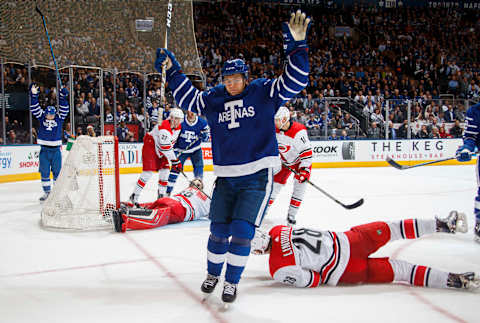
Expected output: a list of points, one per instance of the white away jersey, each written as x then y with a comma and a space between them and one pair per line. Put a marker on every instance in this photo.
165, 137
307, 258
294, 146
195, 202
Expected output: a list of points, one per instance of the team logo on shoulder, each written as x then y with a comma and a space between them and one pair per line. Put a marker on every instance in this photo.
283, 148
235, 110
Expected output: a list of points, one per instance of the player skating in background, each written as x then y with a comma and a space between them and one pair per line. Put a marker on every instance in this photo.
295, 152
309, 258
194, 131
188, 205
471, 140
157, 154
49, 136
244, 148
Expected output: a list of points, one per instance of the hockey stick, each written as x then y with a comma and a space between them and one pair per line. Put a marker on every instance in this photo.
403, 167
50, 43
347, 206
164, 67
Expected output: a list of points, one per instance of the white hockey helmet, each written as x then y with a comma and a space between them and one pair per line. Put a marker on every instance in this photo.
282, 112
260, 243
176, 113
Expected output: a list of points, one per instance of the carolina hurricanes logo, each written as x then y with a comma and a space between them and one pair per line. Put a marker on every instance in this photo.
283, 148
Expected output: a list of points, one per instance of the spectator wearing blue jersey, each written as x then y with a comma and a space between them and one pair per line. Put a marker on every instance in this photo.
244, 147
471, 142
49, 136
194, 131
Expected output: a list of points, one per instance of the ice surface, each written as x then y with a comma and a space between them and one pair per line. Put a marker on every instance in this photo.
155, 275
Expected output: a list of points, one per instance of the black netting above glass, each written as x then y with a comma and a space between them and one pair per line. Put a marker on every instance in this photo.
97, 33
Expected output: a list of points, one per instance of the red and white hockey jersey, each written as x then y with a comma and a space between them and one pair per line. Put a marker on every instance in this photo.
195, 202
307, 258
165, 137
294, 146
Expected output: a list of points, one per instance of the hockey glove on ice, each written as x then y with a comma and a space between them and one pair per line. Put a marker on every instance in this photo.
464, 153
176, 166
303, 174
295, 32
164, 55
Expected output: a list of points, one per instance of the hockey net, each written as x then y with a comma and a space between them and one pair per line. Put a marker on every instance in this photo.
87, 188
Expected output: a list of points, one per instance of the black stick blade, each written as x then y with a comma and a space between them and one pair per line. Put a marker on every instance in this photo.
38, 10
354, 205
395, 164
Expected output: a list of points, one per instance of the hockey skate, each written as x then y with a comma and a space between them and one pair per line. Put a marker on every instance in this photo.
209, 285
454, 222
466, 280
476, 231
291, 220
44, 197
133, 199
229, 293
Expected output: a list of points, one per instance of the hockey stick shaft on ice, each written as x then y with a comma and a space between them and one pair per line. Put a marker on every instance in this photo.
393, 163
347, 206
49, 43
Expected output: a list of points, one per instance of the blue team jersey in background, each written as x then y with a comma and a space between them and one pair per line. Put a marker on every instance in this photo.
49, 131
195, 133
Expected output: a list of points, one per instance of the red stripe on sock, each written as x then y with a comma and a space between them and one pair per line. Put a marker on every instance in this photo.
419, 279
409, 229
162, 183
270, 202
141, 183
295, 202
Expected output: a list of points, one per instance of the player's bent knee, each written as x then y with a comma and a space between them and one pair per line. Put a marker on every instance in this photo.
220, 229
243, 229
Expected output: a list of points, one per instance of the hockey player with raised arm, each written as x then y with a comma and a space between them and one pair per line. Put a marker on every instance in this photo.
194, 131
471, 140
310, 258
49, 136
240, 115
296, 153
188, 205
157, 154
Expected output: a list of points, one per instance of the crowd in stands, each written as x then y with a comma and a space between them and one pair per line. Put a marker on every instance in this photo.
390, 58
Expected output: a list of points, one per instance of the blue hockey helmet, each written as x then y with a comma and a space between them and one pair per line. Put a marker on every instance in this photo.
235, 66
51, 110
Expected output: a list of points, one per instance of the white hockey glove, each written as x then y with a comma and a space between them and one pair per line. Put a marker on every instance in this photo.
298, 25
34, 89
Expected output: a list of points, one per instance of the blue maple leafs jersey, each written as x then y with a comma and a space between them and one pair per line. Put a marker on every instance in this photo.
471, 138
49, 131
192, 135
242, 126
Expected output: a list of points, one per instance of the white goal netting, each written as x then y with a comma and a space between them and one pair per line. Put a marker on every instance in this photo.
87, 187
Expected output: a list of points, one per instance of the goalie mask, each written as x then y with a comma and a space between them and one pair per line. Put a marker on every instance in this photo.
261, 243
197, 182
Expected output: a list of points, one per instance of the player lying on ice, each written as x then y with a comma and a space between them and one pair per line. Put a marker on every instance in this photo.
309, 258
188, 205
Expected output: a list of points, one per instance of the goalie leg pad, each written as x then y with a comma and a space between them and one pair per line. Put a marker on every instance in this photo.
140, 219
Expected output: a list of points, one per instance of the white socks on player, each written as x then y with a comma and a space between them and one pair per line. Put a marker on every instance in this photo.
418, 275
411, 228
